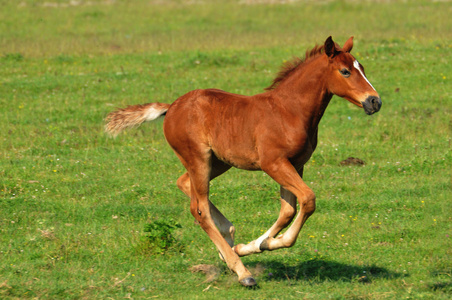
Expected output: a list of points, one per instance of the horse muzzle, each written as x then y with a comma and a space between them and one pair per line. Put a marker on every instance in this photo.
372, 104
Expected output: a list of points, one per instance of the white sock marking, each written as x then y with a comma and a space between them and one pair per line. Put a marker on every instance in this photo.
261, 239
356, 65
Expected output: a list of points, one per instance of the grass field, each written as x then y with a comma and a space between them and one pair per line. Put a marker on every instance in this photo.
75, 204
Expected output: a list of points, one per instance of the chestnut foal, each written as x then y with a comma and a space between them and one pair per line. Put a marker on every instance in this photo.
212, 130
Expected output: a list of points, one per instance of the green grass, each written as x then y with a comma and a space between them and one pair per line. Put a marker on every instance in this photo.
74, 203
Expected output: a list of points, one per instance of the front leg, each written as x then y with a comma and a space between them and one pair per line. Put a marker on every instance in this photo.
286, 214
285, 174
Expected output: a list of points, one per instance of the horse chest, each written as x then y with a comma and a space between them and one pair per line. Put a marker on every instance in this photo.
300, 152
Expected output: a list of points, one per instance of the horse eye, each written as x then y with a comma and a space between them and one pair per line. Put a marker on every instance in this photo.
345, 72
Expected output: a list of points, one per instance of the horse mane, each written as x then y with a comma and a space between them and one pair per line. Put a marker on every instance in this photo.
290, 66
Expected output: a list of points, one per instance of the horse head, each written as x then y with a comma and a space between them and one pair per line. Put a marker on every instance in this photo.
347, 78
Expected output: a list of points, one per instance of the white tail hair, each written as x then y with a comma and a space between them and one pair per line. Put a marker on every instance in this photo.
133, 116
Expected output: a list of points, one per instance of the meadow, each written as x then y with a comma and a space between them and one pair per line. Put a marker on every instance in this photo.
77, 207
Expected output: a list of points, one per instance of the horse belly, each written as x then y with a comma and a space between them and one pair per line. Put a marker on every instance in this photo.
236, 154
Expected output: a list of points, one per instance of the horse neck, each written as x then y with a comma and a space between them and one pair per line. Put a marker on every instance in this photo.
305, 91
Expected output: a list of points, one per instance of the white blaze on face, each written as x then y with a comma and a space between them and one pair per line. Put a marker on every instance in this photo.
356, 65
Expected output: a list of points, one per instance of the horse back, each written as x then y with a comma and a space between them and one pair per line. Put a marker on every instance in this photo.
238, 129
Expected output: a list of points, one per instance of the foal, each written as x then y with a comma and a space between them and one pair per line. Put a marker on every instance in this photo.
212, 130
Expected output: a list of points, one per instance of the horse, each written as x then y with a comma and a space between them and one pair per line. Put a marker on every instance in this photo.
211, 130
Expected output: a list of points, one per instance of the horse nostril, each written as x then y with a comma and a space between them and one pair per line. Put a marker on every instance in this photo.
375, 101
372, 104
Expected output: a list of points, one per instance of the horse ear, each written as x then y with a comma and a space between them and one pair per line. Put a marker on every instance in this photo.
331, 49
348, 45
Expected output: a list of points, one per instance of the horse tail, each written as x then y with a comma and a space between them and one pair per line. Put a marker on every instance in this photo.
133, 116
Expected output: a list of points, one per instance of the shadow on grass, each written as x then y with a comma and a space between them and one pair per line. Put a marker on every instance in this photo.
322, 270
442, 281
445, 286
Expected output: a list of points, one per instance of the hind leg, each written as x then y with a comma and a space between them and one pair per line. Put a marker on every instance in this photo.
225, 227
199, 167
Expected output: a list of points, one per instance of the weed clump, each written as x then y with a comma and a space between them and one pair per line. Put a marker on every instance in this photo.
160, 235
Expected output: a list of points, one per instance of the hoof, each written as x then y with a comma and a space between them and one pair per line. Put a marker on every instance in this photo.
264, 245
248, 282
